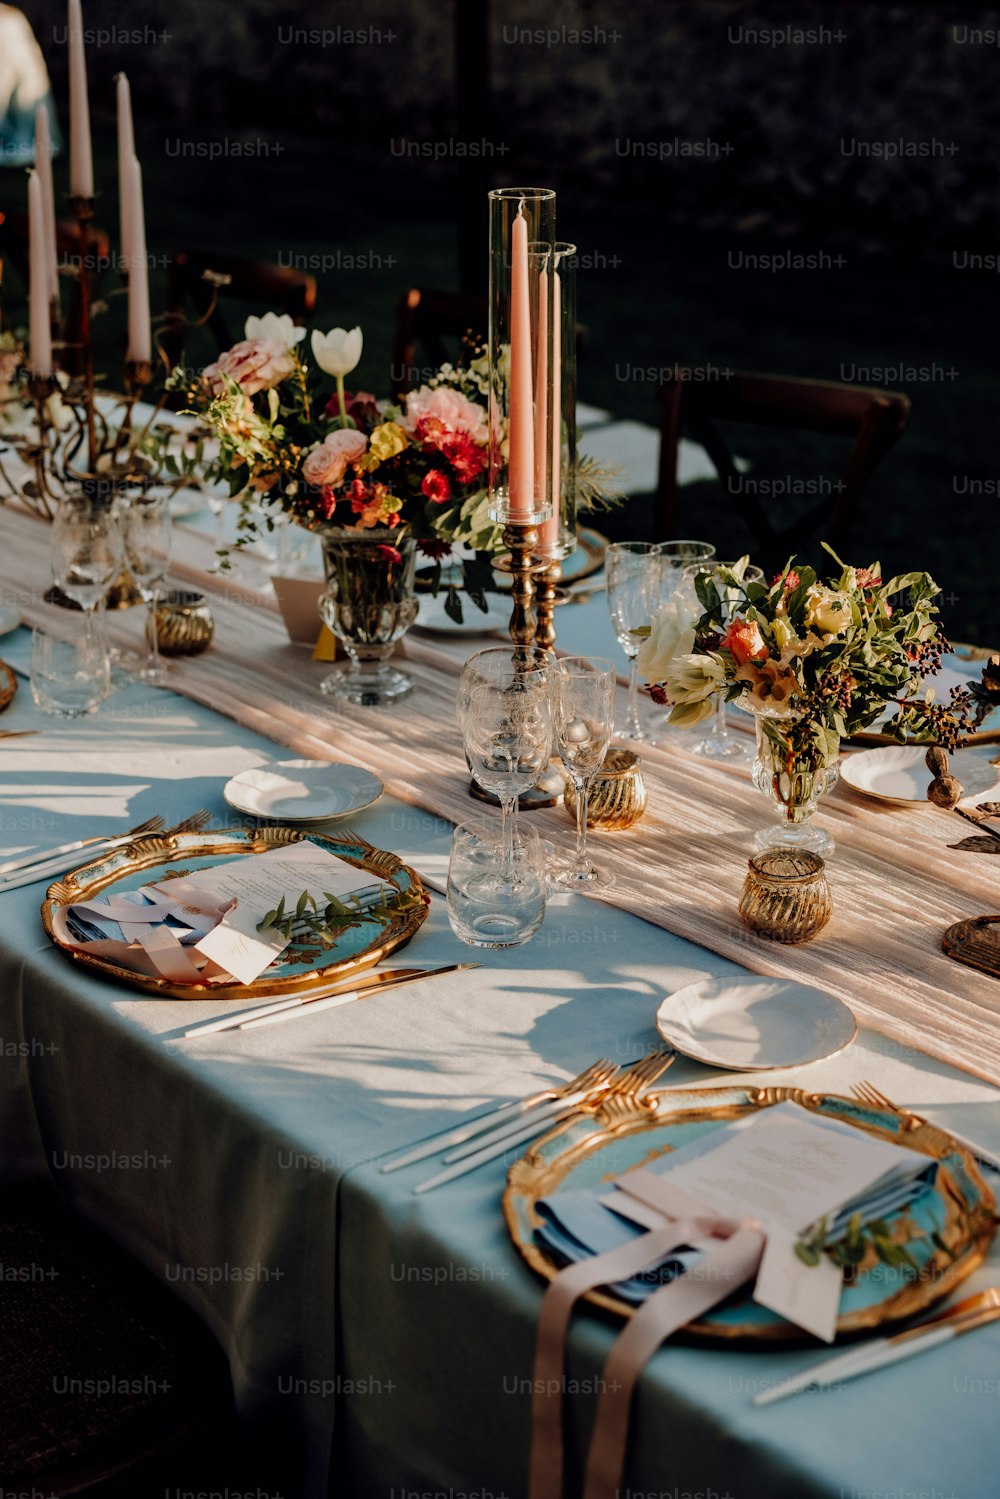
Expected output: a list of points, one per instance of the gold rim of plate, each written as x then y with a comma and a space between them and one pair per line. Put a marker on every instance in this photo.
154, 852
968, 1232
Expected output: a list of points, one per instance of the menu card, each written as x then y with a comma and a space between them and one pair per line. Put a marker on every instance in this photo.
787, 1169
204, 925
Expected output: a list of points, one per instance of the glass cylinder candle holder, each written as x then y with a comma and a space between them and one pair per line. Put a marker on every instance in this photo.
521, 354
558, 534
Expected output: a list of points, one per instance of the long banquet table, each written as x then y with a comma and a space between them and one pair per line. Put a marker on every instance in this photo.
384, 1341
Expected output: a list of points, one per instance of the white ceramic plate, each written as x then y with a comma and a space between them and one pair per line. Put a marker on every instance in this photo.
303, 790
474, 621
10, 618
755, 1024
898, 773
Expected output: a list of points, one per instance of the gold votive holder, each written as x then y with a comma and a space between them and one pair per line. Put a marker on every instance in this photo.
184, 623
617, 793
785, 896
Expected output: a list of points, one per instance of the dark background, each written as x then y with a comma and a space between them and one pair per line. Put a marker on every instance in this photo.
328, 151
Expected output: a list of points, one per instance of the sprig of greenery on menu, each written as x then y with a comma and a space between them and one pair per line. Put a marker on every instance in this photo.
851, 1250
324, 923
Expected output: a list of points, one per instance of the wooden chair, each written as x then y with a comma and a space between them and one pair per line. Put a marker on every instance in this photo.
873, 420
73, 1308
266, 287
434, 322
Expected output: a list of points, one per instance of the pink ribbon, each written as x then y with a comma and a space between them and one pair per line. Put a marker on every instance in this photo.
723, 1270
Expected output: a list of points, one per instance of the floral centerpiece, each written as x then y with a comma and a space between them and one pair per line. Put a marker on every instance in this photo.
816, 661
297, 445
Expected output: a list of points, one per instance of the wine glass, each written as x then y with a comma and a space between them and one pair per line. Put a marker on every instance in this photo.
505, 713
718, 743
146, 530
584, 721
85, 549
678, 556
635, 592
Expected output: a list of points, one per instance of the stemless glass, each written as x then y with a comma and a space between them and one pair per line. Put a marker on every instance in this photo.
69, 677
146, 530
85, 552
717, 743
506, 718
635, 592
485, 907
584, 720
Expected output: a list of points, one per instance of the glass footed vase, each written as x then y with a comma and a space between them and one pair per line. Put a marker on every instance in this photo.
793, 783
369, 604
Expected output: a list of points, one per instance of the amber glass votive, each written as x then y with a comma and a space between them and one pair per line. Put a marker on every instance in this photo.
184, 624
617, 793
785, 896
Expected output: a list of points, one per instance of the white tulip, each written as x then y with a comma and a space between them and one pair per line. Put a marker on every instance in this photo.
337, 352
279, 328
672, 635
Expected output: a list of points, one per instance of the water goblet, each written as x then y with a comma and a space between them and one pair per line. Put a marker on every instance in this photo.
85, 553
583, 719
635, 592
506, 720
146, 530
717, 743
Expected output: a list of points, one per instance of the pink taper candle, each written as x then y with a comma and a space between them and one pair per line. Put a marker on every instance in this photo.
40, 352
81, 161
126, 151
43, 166
139, 338
520, 432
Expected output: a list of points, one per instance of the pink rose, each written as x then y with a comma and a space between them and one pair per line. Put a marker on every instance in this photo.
448, 406
255, 364
745, 641
327, 464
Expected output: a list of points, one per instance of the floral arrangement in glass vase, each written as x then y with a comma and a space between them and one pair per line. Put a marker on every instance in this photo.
293, 444
816, 661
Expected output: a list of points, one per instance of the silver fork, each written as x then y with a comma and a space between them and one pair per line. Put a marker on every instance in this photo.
635, 1081
590, 1077
584, 1097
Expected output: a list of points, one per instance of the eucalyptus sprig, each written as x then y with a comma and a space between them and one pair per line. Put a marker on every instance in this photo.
851, 1250
311, 921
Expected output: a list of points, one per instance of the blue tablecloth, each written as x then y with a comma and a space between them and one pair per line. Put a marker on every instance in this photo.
380, 1339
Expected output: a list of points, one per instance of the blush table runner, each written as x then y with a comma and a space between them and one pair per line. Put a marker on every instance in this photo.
896, 884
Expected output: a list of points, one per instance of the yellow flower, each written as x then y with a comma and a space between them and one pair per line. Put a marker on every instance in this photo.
386, 441
828, 611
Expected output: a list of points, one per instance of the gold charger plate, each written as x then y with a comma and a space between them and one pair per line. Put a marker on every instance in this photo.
300, 968
960, 1209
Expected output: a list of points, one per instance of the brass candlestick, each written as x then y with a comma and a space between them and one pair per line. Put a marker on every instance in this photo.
519, 561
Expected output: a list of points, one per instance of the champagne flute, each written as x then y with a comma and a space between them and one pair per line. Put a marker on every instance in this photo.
146, 529
505, 713
584, 721
718, 743
635, 583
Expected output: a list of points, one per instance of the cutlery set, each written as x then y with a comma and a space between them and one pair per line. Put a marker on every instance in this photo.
535, 1119
25, 869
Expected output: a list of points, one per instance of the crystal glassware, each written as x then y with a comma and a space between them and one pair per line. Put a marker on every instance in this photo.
717, 743
486, 907
635, 593
85, 550
146, 527
69, 677
370, 602
793, 773
505, 713
677, 556
584, 719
